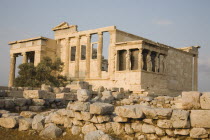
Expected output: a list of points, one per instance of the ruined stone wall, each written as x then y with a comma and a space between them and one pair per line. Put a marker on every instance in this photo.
179, 68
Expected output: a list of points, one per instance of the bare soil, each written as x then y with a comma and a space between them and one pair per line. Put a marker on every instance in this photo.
14, 134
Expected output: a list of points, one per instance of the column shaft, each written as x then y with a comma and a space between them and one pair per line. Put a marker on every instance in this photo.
12, 70
66, 68
88, 48
140, 64
24, 57
128, 63
77, 57
99, 54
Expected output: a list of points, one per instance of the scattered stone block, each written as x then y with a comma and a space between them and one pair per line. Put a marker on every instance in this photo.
67, 96
80, 106
88, 128
38, 122
120, 119
27, 114
129, 111
9, 104
148, 129
38, 102
198, 133
9, 122
191, 100
38, 94
180, 119
101, 108
157, 113
183, 132
205, 100
200, 118
51, 131
36, 108
25, 124
76, 130
97, 135
118, 128
164, 123
83, 95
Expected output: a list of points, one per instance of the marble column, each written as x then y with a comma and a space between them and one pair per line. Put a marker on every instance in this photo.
88, 49
66, 64
12, 70
24, 57
157, 62
195, 84
140, 64
128, 60
99, 53
149, 61
77, 57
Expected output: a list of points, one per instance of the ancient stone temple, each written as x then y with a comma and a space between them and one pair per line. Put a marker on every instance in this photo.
133, 62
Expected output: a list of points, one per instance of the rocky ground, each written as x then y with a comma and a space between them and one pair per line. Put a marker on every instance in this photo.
107, 115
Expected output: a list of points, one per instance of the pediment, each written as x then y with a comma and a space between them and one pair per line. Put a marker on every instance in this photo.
63, 25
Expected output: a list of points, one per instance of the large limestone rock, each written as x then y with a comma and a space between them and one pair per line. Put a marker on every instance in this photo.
25, 124
107, 97
129, 111
205, 100
38, 94
180, 119
67, 96
101, 108
20, 101
9, 122
200, 118
97, 135
155, 113
51, 131
79, 106
88, 128
198, 133
182, 132
38, 102
118, 128
191, 100
164, 123
38, 122
56, 118
76, 130
83, 95
148, 129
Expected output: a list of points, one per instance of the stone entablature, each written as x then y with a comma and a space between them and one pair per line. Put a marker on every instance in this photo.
133, 62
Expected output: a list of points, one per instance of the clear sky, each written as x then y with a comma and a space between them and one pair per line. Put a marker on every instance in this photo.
177, 23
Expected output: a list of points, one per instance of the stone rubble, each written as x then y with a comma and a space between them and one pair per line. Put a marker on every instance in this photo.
125, 117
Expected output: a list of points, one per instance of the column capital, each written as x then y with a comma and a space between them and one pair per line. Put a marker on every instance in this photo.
100, 33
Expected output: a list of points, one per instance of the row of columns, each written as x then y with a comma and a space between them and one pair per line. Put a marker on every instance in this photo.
159, 61
88, 55
24, 60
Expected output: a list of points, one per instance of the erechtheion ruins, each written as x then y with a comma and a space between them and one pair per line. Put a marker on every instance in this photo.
133, 62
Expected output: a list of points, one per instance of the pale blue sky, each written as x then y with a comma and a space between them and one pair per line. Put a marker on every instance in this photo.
177, 23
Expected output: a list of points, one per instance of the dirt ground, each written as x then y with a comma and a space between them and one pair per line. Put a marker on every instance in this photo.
14, 134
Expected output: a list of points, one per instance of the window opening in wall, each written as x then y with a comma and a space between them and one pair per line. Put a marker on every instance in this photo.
18, 61
94, 50
30, 57
153, 55
144, 54
122, 60
105, 51
134, 59
83, 52
73, 53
